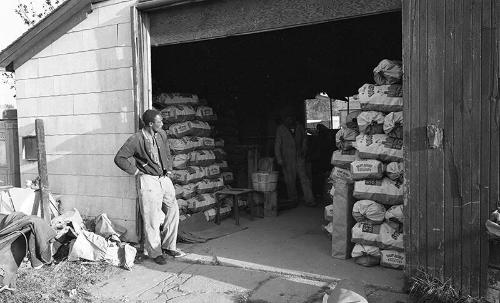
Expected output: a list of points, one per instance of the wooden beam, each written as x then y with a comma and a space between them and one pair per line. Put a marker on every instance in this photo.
42, 170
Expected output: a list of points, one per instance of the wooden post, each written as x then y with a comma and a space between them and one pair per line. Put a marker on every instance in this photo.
42, 170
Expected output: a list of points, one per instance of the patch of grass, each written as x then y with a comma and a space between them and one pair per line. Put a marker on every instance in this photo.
61, 283
426, 288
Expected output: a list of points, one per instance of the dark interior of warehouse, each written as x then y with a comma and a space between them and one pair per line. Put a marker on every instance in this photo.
250, 79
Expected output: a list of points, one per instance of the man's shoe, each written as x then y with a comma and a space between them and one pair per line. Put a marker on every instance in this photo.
160, 260
175, 253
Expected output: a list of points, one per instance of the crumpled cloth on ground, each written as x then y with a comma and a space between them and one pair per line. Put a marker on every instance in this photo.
104, 227
39, 238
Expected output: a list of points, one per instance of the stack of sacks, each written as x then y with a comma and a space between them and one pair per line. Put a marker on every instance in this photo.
198, 159
378, 172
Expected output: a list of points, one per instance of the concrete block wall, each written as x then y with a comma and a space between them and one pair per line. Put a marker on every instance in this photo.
81, 86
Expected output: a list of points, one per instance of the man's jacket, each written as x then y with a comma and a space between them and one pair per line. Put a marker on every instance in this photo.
137, 147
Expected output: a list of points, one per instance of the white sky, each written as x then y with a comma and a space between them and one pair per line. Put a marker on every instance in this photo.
11, 27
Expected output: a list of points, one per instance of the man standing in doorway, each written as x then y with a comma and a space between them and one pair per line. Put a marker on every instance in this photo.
290, 148
153, 164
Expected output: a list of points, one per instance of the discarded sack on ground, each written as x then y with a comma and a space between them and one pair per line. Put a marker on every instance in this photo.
384, 191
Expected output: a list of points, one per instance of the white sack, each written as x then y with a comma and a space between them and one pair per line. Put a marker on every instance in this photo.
383, 98
368, 211
395, 170
393, 259
380, 147
177, 113
388, 72
179, 190
384, 191
390, 237
345, 138
371, 122
212, 171
366, 234
393, 125
395, 214
209, 185
189, 191
329, 212
367, 169
341, 173
343, 158
365, 250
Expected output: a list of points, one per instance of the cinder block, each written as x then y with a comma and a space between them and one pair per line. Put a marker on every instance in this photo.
90, 22
100, 37
93, 60
117, 123
55, 106
93, 82
114, 13
68, 43
105, 102
124, 34
129, 209
117, 187
25, 127
91, 144
27, 107
90, 165
44, 86
28, 70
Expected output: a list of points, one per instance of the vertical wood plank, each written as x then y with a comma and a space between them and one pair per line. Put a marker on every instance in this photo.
42, 170
467, 133
475, 146
449, 237
455, 163
431, 163
487, 72
421, 124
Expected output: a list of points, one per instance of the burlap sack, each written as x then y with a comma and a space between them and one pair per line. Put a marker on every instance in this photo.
201, 158
371, 122
367, 169
367, 211
212, 171
184, 145
177, 113
180, 161
201, 202
209, 186
395, 170
388, 72
342, 219
189, 191
393, 259
343, 158
380, 147
384, 191
345, 138
395, 214
201, 128
393, 125
177, 98
205, 113
383, 98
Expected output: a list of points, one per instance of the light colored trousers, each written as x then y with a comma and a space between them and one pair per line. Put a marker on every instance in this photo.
155, 192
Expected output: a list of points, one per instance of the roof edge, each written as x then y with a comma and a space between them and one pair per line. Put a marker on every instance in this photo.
24, 46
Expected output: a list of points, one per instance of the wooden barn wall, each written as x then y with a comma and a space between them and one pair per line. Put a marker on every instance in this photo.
451, 67
81, 85
221, 18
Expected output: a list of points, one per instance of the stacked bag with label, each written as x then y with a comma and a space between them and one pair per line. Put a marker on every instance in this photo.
198, 159
378, 171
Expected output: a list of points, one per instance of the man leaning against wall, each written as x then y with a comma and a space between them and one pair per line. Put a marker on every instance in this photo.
157, 203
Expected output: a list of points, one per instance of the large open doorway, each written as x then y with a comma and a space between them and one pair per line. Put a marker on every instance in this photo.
250, 79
